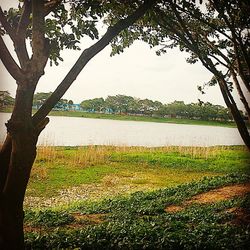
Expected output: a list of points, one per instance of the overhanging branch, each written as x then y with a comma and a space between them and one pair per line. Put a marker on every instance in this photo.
87, 55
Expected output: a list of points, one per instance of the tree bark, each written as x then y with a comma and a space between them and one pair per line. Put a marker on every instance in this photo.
11, 200
241, 94
21, 141
229, 100
5, 160
242, 128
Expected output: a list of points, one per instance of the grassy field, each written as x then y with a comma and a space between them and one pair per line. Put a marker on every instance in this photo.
104, 197
128, 169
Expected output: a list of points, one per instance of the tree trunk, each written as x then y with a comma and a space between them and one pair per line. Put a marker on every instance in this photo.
241, 94
229, 100
11, 208
242, 128
19, 153
5, 160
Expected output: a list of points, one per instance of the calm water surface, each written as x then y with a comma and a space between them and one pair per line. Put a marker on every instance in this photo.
73, 131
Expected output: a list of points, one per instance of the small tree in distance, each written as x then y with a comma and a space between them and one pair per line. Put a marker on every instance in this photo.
5, 99
50, 26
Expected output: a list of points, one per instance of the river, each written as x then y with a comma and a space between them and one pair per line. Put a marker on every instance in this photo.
74, 131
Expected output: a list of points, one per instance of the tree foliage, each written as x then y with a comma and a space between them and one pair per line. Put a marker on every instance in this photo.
215, 33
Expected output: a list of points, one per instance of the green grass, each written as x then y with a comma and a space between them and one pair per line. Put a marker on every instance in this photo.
228, 161
61, 177
140, 118
141, 222
58, 168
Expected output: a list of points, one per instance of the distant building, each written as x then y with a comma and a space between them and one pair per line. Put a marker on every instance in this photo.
63, 107
74, 107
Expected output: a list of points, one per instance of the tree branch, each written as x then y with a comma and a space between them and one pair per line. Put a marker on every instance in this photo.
183, 25
203, 21
7, 26
25, 18
238, 45
40, 46
9, 62
20, 44
38, 29
51, 5
236, 37
230, 102
240, 68
87, 55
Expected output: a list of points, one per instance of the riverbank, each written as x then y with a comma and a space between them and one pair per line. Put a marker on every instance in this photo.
105, 197
124, 117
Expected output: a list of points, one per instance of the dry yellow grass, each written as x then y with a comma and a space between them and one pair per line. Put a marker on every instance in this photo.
94, 155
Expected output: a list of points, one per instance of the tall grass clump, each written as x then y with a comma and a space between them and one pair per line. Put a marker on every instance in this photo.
90, 156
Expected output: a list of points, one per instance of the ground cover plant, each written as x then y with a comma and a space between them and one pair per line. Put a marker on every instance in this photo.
139, 198
143, 220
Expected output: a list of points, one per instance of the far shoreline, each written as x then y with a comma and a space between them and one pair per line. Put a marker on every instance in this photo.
126, 117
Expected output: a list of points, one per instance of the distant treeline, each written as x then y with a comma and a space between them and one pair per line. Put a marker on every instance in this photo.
122, 104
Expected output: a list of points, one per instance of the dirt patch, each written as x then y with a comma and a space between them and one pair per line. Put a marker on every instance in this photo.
173, 209
81, 220
242, 216
220, 194
214, 195
89, 218
30, 229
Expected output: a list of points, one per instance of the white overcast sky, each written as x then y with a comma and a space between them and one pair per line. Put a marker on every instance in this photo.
137, 72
